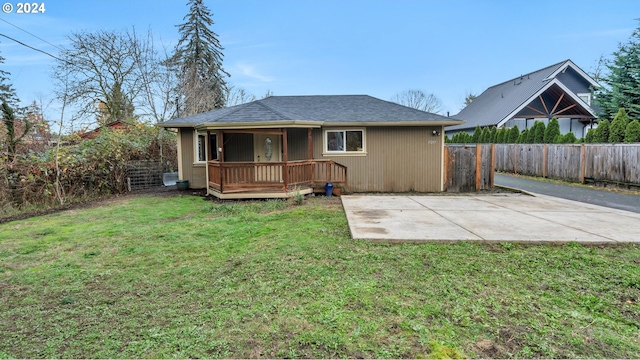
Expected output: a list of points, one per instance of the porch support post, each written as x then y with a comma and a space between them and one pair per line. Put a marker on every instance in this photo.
310, 155
310, 143
221, 159
209, 151
285, 158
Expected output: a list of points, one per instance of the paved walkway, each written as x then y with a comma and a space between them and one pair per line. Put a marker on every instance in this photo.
490, 218
577, 193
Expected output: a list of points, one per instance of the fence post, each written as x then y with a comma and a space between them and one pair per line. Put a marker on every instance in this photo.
582, 154
478, 165
493, 164
515, 159
445, 176
544, 160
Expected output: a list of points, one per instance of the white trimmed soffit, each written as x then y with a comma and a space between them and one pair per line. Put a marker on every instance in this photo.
318, 124
260, 125
575, 67
538, 93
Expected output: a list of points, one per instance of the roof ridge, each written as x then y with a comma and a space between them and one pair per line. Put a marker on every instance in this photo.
237, 108
529, 73
275, 111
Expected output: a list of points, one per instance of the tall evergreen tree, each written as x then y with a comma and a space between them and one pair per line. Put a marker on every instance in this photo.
618, 126
198, 58
622, 82
7, 92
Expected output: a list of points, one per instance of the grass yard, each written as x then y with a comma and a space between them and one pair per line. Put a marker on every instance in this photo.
156, 277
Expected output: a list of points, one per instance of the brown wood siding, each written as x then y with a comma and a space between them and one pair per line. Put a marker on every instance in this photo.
196, 174
398, 159
297, 144
238, 147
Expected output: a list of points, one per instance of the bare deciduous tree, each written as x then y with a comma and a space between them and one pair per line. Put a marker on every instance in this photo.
103, 73
417, 99
237, 96
157, 99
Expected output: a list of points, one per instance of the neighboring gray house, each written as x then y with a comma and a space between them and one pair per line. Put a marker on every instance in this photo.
562, 90
280, 145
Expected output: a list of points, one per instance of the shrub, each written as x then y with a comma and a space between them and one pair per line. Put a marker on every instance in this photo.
513, 135
568, 138
523, 138
88, 168
552, 131
632, 133
538, 136
475, 138
494, 134
500, 136
618, 126
602, 132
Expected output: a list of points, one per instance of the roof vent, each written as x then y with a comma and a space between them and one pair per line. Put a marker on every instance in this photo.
502, 95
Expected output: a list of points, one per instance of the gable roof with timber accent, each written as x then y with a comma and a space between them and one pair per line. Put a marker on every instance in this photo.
504, 101
314, 111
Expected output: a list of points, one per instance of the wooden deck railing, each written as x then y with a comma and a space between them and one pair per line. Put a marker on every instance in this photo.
228, 177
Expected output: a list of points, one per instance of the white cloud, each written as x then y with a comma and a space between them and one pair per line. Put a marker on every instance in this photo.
251, 72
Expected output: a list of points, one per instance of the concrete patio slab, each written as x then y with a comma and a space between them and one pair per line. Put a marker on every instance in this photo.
490, 218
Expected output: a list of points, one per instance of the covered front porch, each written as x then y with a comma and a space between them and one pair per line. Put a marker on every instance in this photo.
266, 163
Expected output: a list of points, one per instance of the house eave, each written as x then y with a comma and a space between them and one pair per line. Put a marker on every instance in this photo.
178, 125
394, 123
538, 93
575, 67
260, 125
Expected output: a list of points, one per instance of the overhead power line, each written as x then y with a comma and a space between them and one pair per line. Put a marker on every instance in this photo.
31, 47
35, 36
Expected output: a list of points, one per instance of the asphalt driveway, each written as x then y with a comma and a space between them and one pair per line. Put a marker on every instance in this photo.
490, 218
602, 197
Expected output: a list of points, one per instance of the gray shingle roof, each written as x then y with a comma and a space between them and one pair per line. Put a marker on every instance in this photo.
499, 101
321, 108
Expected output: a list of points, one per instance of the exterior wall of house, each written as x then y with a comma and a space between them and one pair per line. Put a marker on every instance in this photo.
397, 159
190, 170
238, 147
576, 83
297, 144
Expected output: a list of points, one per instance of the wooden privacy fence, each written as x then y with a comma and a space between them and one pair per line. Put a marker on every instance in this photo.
468, 167
617, 163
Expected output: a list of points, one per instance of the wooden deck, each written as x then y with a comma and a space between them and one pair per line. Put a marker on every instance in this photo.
230, 180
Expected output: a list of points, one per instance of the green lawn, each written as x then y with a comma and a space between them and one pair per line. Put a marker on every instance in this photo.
156, 277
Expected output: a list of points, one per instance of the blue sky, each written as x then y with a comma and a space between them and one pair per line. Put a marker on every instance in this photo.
375, 47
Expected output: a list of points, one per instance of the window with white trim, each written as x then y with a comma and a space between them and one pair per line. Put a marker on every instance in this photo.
586, 97
344, 141
201, 147
201, 144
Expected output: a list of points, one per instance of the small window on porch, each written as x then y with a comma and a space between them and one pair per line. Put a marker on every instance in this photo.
213, 144
344, 141
201, 154
201, 147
